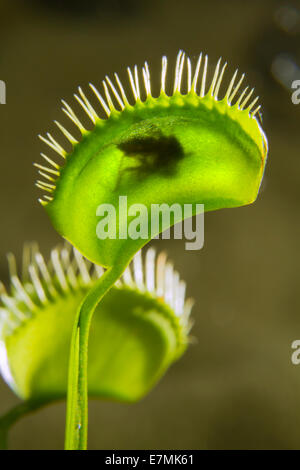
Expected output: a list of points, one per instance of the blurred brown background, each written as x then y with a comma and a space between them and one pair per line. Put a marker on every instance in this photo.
236, 387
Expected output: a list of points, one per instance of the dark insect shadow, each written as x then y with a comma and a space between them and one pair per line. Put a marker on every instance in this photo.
152, 154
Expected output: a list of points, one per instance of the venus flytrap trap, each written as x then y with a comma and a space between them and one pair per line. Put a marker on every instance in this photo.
186, 146
138, 330
183, 147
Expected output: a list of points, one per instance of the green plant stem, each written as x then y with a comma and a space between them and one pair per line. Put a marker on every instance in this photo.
10, 418
77, 396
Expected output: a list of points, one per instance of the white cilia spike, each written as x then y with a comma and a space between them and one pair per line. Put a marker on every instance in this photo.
123, 94
230, 87
175, 285
54, 145
68, 267
45, 186
196, 75
132, 83
47, 169
114, 91
240, 99
177, 68
187, 311
138, 270
10, 303
85, 276
203, 82
255, 111
127, 276
100, 99
108, 97
180, 72
160, 274
98, 270
252, 104
164, 74
85, 108
21, 293
147, 70
68, 271
147, 82
179, 306
40, 186
136, 80
150, 270
42, 201
215, 78
47, 177
37, 284
230, 98
51, 162
247, 98
58, 269
39, 259
88, 105
168, 294
66, 133
217, 89
70, 113
115, 99
189, 75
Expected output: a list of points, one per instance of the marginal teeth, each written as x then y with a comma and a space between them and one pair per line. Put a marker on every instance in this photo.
138, 271
215, 77
123, 94
101, 100
196, 75
132, 83
82, 267
89, 106
54, 145
66, 133
253, 103
255, 111
160, 274
147, 79
137, 84
37, 284
243, 104
217, 89
70, 113
22, 294
203, 83
150, 270
116, 90
85, 108
108, 97
45, 168
236, 89
116, 94
68, 271
59, 271
127, 276
50, 161
164, 73
241, 97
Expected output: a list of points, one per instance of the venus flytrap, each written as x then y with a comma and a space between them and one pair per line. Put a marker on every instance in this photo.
184, 147
139, 329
